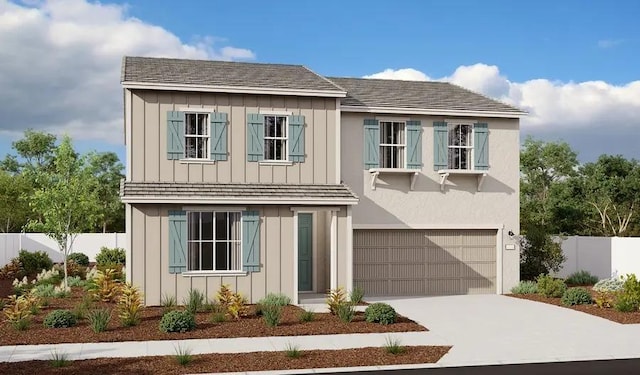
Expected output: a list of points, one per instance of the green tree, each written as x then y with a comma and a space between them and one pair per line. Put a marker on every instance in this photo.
36, 151
14, 209
107, 169
66, 199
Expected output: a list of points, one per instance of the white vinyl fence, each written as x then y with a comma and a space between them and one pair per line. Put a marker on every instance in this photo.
87, 243
604, 257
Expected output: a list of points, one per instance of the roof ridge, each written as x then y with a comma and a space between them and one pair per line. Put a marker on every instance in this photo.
214, 61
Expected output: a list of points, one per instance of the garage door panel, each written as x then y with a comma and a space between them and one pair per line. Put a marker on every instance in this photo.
425, 262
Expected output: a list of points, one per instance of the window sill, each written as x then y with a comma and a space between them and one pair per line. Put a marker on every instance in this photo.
214, 273
275, 162
197, 161
375, 172
445, 173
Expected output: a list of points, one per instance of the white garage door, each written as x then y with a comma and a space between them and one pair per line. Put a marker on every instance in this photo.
424, 262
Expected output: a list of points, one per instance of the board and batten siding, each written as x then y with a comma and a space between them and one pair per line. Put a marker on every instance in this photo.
150, 255
148, 142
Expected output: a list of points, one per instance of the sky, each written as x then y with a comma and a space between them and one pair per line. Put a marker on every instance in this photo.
572, 64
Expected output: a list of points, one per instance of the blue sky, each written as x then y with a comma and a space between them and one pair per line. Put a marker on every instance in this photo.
571, 64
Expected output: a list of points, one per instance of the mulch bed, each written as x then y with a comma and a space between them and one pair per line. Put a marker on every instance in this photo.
606, 313
148, 329
233, 362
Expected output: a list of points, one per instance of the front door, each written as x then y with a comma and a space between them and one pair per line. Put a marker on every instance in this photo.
305, 252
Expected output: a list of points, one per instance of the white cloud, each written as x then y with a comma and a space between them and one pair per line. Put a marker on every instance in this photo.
61, 60
609, 43
407, 74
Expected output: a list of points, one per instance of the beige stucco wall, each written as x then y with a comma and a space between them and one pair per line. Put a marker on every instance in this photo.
148, 138
149, 261
460, 206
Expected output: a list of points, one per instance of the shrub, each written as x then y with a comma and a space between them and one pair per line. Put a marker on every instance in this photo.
74, 269
168, 303
608, 285
581, 278
114, 255
629, 298
336, 298
183, 355
356, 296
12, 270
50, 276
393, 346
306, 316
625, 304
525, 287
277, 299
104, 286
346, 312
550, 287
99, 320
576, 296
79, 258
232, 303
130, 305
272, 314
380, 313
177, 321
292, 351
18, 312
59, 319
35, 262
76, 281
605, 299
43, 290
194, 301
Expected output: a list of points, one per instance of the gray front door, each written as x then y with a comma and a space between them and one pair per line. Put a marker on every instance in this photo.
305, 252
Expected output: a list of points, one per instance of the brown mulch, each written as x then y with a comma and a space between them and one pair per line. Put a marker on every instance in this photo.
606, 313
148, 329
239, 362
6, 288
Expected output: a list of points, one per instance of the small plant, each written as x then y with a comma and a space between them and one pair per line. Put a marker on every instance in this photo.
277, 299
79, 258
81, 310
272, 314
624, 303
18, 312
104, 287
380, 313
292, 351
605, 300
34, 302
58, 359
59, 319
550, 287
336, 298
168, 303
12, 270
99, 320
194, 301
130, 305
74, 269
609, 285
306, 316
629, 298
183, 355
109, 256
60, 291
233, 304
357, 295
581, 278
393, 346
21, 286
525, 287
34, 262
576, 296
346, 312
218, 317
177, 321
43, 290
76, 281
49, 276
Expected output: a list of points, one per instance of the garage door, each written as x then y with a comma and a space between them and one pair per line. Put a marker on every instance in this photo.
424, 262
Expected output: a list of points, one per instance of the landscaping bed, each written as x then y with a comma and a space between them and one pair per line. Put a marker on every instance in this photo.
236, 362
148, 329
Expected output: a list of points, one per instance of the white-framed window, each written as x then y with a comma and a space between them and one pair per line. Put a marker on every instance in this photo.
214, 241
460, 147
275, 137
392, 144
196, 135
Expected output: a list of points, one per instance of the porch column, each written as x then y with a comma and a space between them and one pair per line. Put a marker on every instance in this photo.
295, 257
349, 230
334, 250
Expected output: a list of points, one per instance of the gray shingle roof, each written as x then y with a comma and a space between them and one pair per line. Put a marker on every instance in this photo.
364, 92
216, 191
223, 73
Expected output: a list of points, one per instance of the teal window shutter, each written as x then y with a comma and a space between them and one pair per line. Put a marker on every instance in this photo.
177, 241
371, 144
255, 137
440, 145
414, 144
296, 139
218, 131
175, 135
481, 146
251, 241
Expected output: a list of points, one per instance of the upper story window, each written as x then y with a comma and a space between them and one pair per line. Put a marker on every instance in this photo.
275, 138
460, 147
196, 136
214, 241
392, 144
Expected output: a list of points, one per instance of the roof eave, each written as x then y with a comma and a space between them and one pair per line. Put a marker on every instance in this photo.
233, 89
247, 201
433, 111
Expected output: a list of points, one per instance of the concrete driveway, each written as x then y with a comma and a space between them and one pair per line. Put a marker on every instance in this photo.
493, 329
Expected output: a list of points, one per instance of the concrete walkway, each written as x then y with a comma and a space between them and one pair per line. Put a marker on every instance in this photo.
483, 330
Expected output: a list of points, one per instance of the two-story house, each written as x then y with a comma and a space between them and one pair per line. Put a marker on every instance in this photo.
272, 178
